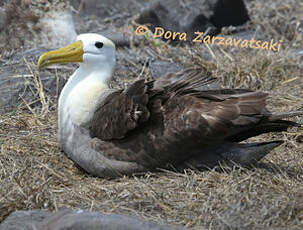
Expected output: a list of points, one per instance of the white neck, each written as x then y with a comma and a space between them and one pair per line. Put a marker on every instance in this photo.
80, 95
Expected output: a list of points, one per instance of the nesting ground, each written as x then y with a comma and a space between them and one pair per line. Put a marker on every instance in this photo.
35, 174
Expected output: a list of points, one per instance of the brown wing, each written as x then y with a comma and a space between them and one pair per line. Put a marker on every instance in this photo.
123, 110
182, 126
178, 121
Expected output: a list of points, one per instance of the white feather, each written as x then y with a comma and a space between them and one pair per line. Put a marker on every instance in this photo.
82, 92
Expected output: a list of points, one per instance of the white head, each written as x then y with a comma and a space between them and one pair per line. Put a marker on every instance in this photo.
94, 52
98, 52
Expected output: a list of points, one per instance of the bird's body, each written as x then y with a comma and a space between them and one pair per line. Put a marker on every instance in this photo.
150, 125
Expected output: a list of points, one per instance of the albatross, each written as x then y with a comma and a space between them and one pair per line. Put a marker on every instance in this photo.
173, 121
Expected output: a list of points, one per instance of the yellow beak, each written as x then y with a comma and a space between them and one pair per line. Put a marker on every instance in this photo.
70, 53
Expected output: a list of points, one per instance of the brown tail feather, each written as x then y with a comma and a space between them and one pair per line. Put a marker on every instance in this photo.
232, 153
246, 154
272, 126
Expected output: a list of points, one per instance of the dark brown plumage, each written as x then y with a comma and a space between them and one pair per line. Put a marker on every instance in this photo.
172, 121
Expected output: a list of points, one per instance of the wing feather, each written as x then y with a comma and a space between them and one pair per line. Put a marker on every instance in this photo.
171, 119
122, 112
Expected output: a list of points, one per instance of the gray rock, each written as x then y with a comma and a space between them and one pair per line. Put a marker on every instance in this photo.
2, 18
158, 68
121, 39
57, 29
76, 220
299, 53
17, 81
104, 14
23, 24
25, 220
177, 16
193, 16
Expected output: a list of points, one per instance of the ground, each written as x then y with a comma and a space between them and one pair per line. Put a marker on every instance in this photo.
35, 174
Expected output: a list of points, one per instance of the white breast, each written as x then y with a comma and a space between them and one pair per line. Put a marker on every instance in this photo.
82, 101
79, 99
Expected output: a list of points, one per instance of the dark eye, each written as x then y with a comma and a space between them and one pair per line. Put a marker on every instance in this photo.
99, 45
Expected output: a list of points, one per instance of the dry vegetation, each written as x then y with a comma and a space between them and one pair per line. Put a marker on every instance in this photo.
34, 173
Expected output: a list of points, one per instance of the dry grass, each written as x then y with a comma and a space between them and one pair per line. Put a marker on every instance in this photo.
34, 173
